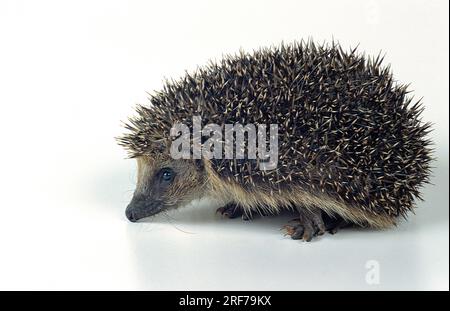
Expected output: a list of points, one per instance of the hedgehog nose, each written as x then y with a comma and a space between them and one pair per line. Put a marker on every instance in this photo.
134, 208
130, 215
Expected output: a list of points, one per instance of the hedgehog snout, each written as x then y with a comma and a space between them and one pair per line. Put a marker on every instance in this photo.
141, 207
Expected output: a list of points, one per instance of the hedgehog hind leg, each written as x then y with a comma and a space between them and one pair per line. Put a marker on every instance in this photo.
312, 223
309, 224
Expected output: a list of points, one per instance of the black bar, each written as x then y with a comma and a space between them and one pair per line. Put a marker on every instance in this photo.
227, 300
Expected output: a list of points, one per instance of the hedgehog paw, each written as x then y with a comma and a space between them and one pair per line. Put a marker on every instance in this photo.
308, 225
233, 210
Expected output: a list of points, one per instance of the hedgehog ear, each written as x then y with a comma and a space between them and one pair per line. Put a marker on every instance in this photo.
199, 165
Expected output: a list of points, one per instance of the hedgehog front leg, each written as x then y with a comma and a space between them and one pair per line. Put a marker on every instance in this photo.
233, 210
308, 225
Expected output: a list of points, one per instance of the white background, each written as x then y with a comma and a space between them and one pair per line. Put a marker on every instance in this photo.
70, 71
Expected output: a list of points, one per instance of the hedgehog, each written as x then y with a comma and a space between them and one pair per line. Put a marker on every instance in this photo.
352, 149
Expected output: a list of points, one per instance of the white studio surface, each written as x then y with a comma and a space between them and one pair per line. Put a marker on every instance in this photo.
71, 71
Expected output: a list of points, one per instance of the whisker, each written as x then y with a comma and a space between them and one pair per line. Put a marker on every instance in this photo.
170, 219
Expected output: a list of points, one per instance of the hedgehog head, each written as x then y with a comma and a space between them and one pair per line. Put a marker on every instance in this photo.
164, 183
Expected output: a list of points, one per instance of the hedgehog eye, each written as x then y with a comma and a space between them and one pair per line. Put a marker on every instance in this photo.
166, 174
